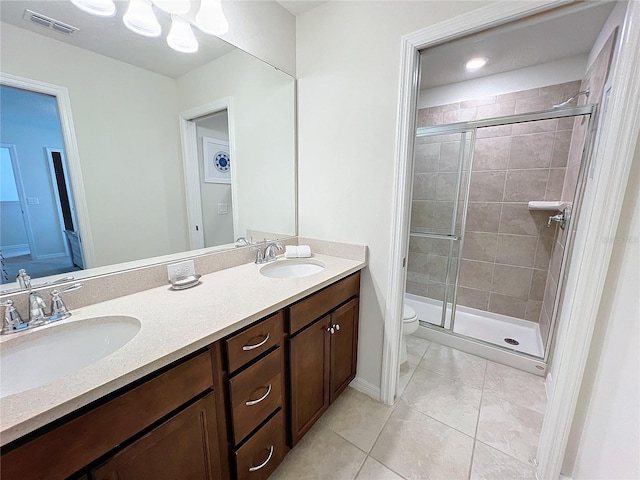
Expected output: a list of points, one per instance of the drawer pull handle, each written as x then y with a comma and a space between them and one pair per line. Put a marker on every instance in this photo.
248, 403
259, 344
253, 469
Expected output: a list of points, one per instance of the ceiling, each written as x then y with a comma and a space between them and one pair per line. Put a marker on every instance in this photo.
297, 7
516, 46
109, 36
527, 43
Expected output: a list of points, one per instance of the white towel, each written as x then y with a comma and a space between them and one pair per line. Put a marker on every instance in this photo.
300, 251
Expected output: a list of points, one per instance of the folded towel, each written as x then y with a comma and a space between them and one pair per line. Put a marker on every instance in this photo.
304, 251
290, 251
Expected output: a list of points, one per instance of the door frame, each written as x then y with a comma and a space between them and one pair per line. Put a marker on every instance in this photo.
54, 186
599, 219
17, 175
72, 155
189, 138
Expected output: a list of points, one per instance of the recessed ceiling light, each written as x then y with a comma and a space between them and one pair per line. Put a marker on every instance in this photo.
476, 63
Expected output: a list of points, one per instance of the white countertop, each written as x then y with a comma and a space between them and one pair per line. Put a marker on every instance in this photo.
174, 324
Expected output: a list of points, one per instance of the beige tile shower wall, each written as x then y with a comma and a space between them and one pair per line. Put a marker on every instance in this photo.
595, 81
507, 247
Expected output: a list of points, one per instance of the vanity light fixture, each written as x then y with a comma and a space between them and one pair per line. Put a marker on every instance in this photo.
177, 7
101, 8
476, 63
141, 19
181, 37
211, 19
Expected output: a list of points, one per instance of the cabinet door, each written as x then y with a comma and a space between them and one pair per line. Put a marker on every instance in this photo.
309, 367
185, 447
344, 347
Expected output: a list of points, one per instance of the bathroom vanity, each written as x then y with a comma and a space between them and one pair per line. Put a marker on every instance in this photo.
229, 408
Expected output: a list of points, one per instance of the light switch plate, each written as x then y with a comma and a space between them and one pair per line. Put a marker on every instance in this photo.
223, 209
181, 269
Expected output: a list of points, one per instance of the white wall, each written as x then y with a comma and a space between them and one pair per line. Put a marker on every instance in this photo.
348, 69
128, 139
261, 122
605, 435
551, 73
264, 29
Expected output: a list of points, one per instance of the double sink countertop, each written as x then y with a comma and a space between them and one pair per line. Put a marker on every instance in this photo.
173, 325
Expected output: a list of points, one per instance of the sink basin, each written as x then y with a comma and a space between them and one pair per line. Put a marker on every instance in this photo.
42, 356
291, 269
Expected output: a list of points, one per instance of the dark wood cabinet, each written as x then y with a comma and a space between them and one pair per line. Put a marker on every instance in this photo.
184, 447
61, 451
309, 357
322, 352
344, 348
230, 410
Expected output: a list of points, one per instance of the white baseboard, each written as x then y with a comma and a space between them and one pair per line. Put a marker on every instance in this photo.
17, 250
365, 387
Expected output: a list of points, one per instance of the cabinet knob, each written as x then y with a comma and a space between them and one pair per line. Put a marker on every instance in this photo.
337, 327
331, 330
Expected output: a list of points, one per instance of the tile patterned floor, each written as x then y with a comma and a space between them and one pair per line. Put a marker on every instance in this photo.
459, 417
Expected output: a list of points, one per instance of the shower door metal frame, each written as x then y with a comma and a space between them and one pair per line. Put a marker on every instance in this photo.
472, 126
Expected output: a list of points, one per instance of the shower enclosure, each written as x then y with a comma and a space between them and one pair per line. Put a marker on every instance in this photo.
493, 204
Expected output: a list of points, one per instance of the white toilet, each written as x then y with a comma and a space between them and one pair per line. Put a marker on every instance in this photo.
409, 326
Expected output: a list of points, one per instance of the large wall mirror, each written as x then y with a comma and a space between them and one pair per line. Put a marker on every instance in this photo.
176, 152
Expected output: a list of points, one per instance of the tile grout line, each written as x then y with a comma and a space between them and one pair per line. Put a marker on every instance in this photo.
475, 434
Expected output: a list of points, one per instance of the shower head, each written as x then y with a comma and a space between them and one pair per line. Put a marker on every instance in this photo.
575, 95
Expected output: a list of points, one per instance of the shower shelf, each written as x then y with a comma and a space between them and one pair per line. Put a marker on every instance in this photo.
545, 205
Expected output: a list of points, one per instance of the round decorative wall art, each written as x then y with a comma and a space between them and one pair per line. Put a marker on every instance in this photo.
221, 161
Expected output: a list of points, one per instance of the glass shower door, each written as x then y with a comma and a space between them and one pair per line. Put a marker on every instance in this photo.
440, 182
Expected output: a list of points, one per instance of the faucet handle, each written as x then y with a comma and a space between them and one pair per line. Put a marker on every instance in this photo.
24, 280
58, 308
12, 320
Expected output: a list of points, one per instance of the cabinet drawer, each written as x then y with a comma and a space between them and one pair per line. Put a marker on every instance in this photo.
259, 457
255, 394
313, 307
69, 447
254, 341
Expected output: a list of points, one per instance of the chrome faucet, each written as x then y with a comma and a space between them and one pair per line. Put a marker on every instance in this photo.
269, 254
37, 305
270, 251
242, 242
24, 280
37, 311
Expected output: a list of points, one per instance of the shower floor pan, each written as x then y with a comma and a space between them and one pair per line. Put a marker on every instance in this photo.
494, 328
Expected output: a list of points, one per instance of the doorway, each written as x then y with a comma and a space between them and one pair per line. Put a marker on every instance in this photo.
605, 187
208, 152
33, 145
